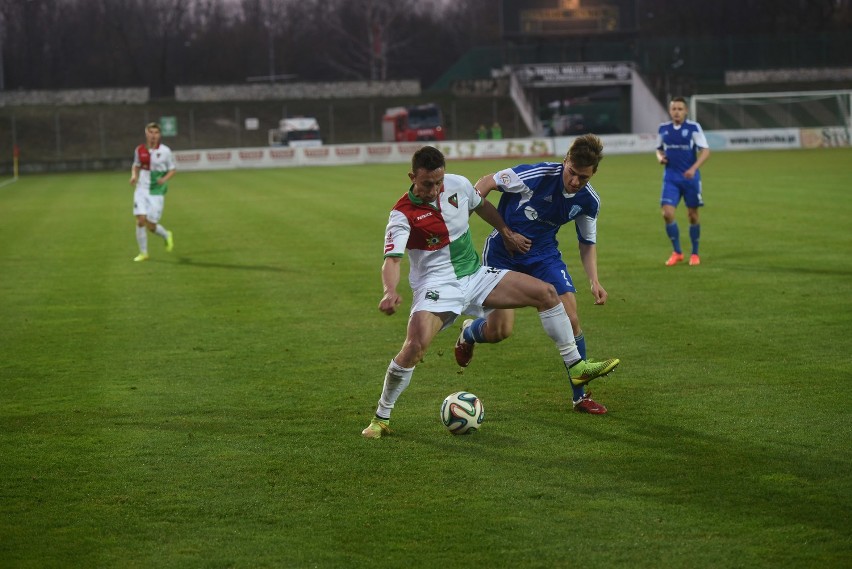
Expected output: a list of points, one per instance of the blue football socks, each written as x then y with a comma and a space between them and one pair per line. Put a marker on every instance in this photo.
579, 390
694, 235
674, 236
473, 333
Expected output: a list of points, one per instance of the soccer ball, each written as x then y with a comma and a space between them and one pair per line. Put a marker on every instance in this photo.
462, 413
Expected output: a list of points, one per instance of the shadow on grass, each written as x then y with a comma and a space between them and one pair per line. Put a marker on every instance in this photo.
764, 479
761, 475
209, 265
838, 272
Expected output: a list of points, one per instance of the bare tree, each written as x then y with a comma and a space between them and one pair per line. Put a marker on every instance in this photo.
158, 43
52, 44
367, 33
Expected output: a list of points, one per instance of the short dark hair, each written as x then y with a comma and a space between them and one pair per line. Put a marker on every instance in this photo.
428, 158
586, 150
678, 100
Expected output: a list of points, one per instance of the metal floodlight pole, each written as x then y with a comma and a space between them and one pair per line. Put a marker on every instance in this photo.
2, 40
271, 51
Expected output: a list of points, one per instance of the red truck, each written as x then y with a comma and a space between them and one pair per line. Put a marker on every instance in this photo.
408, 124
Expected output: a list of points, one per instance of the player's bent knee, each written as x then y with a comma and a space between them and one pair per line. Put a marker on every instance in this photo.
413, 351
548, 296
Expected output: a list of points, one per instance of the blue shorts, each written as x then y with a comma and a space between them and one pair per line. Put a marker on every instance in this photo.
550, 270
689, 190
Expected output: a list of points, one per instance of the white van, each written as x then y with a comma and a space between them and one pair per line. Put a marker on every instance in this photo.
299, 131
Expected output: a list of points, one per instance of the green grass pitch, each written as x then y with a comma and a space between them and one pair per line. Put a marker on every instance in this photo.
204, 409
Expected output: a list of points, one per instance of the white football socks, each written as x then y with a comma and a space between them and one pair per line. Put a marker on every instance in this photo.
558, 326
397, 379
142, 239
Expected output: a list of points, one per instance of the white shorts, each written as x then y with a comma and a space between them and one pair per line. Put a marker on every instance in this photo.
463, 296
148, 205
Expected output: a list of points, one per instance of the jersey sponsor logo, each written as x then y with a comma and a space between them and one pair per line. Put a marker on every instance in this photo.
424, 216
454, 200
532, 215
678, 146
432, 295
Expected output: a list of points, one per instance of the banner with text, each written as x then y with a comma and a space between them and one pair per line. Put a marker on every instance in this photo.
514, 150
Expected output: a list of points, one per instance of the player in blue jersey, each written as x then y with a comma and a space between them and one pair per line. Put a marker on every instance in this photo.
431, 223
537, 200
682, 148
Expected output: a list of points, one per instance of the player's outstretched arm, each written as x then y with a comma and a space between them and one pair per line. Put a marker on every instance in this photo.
390, 280
589, 258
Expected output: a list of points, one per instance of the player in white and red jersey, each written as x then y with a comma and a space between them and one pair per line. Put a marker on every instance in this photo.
432, 222
153, 167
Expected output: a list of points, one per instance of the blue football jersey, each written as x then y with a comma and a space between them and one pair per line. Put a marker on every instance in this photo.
535, 203
681, 144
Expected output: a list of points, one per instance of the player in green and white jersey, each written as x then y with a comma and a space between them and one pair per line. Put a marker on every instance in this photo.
153, 167
431, 222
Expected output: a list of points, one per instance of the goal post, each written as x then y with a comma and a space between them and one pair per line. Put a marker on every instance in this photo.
792, 109
15, 154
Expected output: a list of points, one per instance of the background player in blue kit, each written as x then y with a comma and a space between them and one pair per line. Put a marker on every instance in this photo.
537, 200
682, 148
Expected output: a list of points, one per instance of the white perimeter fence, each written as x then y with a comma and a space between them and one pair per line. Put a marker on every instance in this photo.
517, 148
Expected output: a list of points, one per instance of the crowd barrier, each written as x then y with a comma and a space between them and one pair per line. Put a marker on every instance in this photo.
517, 148
342, 154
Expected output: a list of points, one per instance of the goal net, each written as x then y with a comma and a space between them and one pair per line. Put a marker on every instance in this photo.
802, 109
